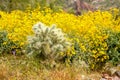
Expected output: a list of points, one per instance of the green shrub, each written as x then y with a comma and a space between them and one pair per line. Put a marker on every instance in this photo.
113, 51
6, 45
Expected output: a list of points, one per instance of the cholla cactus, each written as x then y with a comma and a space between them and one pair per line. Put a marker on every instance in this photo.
48, 41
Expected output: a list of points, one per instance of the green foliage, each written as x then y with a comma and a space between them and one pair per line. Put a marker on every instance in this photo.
3, 39
48, 43
9, 5
113, 51
6, 45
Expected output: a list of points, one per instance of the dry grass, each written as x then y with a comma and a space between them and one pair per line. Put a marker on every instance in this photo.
17, 68
3, 72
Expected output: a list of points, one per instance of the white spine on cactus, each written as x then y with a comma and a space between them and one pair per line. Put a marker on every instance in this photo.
50, 40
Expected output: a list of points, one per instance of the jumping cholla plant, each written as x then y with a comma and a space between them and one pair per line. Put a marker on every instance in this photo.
48, 42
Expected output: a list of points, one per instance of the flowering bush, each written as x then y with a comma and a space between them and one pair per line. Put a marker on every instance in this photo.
6, 45
88, 32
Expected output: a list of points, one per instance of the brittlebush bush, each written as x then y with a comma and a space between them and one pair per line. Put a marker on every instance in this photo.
6, 45
90, 30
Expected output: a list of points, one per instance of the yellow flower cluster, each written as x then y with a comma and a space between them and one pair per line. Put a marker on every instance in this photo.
88, 28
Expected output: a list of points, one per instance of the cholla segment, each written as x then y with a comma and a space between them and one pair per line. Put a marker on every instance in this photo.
50, 41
